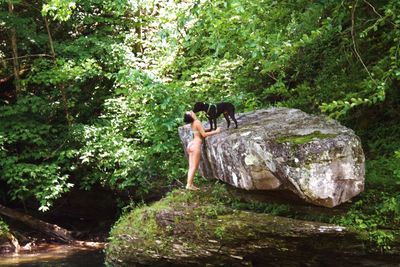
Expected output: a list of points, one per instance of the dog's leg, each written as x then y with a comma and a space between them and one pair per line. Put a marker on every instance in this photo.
232, 115
228, 122
211, 124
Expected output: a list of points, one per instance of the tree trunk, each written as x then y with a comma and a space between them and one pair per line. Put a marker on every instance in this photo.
53, 230
138, 31
62, 87
53, 53
65, 104
15, 52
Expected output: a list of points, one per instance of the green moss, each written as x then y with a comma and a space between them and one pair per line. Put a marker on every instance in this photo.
3, 228
191, 222
263, 207
211, 212
192, 208
188, 217
140, 228
303, 139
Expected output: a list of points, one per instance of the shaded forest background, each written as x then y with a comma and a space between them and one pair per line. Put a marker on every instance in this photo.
92, 92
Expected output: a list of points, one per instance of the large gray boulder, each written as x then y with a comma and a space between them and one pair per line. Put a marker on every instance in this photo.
284, 149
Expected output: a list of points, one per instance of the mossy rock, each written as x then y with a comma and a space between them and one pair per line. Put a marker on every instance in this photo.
303, 139
198, 228
312, 156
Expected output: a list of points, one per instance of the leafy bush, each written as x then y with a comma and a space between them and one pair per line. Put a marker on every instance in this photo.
135, 139
383, 172
3, 227
377, 214
27, 160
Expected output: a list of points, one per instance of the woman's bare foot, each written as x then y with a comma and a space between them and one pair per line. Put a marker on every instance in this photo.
192, 187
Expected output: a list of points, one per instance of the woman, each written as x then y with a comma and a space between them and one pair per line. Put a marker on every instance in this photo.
194, 146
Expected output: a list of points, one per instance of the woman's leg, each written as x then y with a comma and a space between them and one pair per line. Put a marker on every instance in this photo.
194, 159
190, 151
196, 156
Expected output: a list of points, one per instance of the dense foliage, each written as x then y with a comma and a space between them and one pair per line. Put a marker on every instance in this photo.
92, 92
3, 228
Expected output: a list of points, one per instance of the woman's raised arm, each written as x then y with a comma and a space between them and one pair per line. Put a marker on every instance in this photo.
204, 134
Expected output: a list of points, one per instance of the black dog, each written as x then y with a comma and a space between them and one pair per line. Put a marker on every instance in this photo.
213, 111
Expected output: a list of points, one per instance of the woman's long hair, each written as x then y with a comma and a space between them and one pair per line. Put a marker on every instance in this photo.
187, 118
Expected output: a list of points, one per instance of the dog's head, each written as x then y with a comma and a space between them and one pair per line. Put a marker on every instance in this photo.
199, 106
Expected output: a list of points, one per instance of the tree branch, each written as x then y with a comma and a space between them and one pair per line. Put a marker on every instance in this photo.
57, 232
376, 12
373, 8
6, 79
353, 11
26, 56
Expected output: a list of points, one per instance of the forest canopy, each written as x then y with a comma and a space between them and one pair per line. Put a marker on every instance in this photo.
92, 92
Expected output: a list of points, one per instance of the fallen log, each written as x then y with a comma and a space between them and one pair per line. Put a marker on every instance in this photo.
53, 230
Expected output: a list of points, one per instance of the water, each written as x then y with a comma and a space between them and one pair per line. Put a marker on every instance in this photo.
70, 256
95, 258
56, 256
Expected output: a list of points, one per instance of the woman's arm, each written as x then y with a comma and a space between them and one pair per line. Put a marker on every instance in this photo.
204, 134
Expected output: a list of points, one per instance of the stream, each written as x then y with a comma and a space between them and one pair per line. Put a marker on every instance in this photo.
55, 256
69, 256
